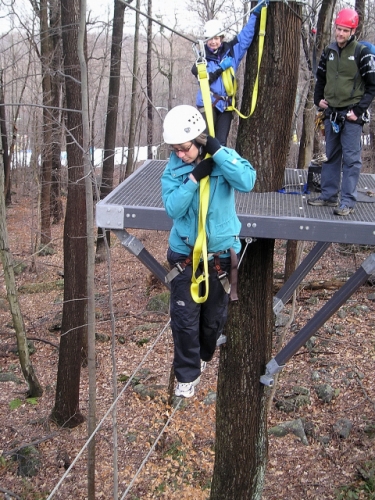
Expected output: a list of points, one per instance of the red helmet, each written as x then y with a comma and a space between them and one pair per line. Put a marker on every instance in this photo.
347, 18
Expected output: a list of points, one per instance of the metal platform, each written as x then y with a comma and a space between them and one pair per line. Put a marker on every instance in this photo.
136, 203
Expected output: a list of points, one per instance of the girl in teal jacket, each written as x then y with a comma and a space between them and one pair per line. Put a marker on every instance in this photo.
197, 326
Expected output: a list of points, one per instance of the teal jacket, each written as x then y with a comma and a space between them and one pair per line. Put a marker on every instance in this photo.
181, 201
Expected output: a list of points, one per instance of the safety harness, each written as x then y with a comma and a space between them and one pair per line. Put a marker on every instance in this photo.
199, 257
229, 282
229, 77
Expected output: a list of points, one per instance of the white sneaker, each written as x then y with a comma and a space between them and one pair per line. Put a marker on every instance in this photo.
221, 340
186, 390
203, 365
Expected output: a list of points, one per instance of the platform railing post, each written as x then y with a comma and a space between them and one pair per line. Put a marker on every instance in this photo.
286, 291
135, 246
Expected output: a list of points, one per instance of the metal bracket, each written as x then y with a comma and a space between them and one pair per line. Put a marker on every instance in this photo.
130, 242
272, 368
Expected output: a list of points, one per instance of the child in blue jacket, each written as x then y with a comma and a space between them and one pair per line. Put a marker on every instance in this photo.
221, 55
197, 326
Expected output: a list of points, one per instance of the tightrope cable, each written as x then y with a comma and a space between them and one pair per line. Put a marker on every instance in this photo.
107, 413
151, 450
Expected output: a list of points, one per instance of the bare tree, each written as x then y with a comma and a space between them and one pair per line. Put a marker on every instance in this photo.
106, 185
91, 362
241, 420
57, 113
66, 411
35, 389
150, 108
134, 100
5, 149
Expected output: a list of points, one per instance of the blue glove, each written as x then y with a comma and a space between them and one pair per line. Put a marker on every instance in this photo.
226, 63
260, 5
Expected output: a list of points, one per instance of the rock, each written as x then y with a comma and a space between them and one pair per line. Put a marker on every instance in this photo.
210, 398
294, 427
299, 398
159, 303
342, 427
144, 391
325, 393
324, 439
9, 377
28, 459
281, 319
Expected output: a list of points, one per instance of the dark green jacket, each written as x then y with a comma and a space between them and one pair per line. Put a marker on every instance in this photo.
342, 81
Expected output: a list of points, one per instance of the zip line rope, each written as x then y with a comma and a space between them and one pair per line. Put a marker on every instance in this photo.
107, 413
151, 450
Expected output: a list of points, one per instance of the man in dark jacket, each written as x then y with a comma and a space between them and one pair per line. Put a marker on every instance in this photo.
345, 88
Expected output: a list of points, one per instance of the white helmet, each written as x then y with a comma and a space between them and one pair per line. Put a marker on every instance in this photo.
213, 28
182, 123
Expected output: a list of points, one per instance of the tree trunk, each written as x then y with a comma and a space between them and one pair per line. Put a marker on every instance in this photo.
46, 173
134, 100
66, 411
150, 108
57, 85
35, 389
5, 149
91, 362
106, 185
241, 437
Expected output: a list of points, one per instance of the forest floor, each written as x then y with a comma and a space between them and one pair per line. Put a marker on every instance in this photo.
320, 464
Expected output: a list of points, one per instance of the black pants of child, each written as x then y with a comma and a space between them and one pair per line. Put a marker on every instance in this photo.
195, 327
222, 123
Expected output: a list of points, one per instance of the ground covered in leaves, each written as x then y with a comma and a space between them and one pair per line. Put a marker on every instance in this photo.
322, 413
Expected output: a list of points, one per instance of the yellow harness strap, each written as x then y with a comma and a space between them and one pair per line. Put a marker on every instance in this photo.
200, 246
229, 77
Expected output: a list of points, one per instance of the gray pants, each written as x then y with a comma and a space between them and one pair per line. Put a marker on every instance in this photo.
343, 150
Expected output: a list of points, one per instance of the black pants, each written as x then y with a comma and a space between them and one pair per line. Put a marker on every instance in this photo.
195, 327
222, 123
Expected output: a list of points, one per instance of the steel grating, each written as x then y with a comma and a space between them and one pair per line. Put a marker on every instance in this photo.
136, 203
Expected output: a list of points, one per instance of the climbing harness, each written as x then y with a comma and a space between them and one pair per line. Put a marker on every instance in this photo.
200, 246
229, 77
228, 280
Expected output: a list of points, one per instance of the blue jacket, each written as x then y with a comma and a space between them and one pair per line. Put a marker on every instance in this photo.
181, 201
236, 49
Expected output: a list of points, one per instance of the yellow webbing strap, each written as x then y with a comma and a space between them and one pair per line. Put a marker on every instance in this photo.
200, 246
229, 78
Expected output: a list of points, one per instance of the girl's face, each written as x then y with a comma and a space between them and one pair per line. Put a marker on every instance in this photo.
214, 43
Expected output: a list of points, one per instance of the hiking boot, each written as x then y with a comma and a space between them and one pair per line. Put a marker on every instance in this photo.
319, 202
221, 340
186, 389
343, 210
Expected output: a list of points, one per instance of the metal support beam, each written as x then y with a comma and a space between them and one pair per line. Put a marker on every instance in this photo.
135, 246
286, 291
336, 301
